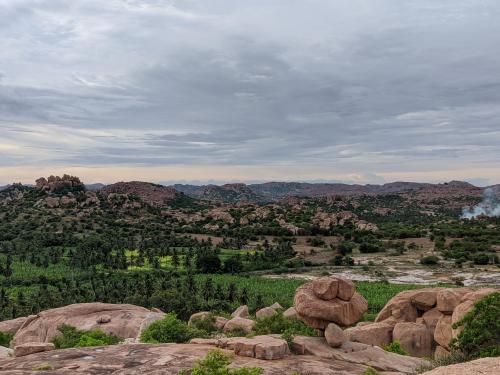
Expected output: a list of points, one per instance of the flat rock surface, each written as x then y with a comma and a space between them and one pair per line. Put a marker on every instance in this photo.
483, 366
162, 359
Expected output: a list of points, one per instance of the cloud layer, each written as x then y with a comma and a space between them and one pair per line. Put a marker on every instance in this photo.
379, 89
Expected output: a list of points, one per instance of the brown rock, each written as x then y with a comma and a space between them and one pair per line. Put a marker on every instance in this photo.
483, 366
431, 318
424, 300
103, 319
241, 312
126, 321
400, 308
317, 313
346, 289
334, 335
32, 347
326, 288
415, 338
443, 331
265, 312
220, 322
357, 353
6, 352
199, 316
440, 352
12, 326
276, 306
245, 324
261, 347
213, 342
447, 300
164, 359
270, 348
290, 313
372, 334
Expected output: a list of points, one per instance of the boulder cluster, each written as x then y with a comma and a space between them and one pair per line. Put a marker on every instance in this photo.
329, 300
421, 320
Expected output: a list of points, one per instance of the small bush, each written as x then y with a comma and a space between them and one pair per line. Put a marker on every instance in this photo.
279, 324
44, 367
371, 371
170, 329
205, 324
481, 334
72, 338
395, 347
216, 363
430, 260
5, 339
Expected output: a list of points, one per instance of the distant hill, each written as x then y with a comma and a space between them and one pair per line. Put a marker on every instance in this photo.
94, 187
274, 191
148, 192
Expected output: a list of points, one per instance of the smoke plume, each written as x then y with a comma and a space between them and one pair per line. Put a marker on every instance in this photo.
489, 206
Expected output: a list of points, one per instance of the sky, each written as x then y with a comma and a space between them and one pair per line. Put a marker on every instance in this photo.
364, 91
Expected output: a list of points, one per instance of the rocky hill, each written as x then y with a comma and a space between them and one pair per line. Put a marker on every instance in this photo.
275, 191
148, 192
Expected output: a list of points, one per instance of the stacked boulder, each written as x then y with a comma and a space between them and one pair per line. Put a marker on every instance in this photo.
421, 320
329, 300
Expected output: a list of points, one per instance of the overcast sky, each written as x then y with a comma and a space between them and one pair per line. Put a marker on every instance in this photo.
358, 91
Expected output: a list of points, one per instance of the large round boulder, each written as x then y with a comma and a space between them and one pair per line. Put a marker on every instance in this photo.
318, 312
125, 321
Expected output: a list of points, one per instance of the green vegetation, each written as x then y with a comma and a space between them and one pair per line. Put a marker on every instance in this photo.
72, 338
5, 339
216, 363
170, 329
371, 371
281, 325
395, 347
481, 329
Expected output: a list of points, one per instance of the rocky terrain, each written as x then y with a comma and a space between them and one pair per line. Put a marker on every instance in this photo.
420, 320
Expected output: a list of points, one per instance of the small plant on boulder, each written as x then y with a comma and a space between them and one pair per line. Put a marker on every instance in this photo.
5, 339
395, 347
73, 338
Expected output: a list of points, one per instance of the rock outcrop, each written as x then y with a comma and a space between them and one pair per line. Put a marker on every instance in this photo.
423, 319
125, 321
317, 308
483, 366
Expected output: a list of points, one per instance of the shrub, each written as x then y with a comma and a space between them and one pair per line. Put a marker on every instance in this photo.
371, 371
73, 338
5, 339
395, 347
280, 324
481, 334
430, 260
216, 363
170, 329
481, 259
206, 324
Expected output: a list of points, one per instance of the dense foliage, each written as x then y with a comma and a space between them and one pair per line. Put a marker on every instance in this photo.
480, 336
71, 337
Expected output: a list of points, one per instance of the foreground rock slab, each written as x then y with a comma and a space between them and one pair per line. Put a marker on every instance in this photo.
163, 359
483, 366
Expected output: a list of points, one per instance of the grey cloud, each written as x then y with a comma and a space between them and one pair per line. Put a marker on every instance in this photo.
360, 86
